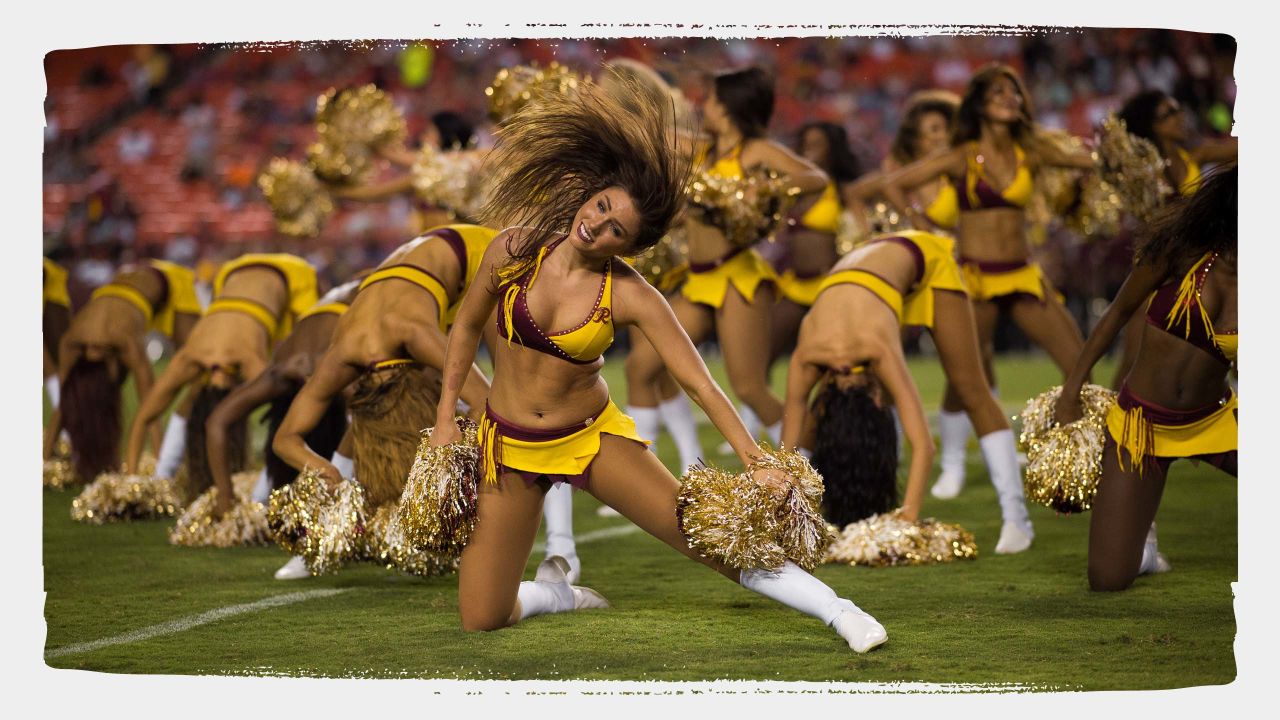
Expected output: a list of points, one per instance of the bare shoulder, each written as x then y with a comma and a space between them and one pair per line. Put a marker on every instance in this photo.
632, 294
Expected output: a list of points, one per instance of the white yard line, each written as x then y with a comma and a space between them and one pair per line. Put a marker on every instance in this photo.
193, 621
204, 618
586, 537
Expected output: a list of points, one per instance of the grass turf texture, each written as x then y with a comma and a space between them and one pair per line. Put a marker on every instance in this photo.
1026, 620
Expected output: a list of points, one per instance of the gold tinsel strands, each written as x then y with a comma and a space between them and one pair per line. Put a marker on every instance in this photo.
746, 209
351, 125
515, 87
298, 201
437, 510
664, 265
733, 519
1064, 463
888, 540
116, 496
1133, 167
58, 470
452, 180
244, 524
323, 526
385, 544
1088, 203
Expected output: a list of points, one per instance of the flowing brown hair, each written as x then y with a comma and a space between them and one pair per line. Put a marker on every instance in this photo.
905, 148
557, 152
91, 415
968, 125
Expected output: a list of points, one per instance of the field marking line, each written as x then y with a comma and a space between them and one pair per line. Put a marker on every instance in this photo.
193, 621
601, 534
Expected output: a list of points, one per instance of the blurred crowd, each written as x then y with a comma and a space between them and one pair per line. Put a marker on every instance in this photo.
155, 150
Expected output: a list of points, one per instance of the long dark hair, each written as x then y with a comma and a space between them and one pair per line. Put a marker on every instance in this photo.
1191, 226
856, 452
199, 477
323, 438
747, 97
1139, 114
968, 125
90, 405
556, 153
906, 143
842, 166
456, 133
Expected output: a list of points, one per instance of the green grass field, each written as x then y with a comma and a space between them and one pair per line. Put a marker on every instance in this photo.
1026, 620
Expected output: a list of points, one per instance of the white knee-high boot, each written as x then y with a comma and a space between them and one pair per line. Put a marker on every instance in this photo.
344, 465
51, 387
648, 421
953, 432
799, 590
557, 511
551, 592
677, 415
1153, 561
172, 447
262, 488
1000, 453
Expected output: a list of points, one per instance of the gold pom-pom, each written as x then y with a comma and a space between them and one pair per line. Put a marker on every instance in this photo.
385, 544
515, 87
244, 524
746, 209
298, 201
888, 540
117, 496
1133, 167
451, 180
339, 163
1064, 463
664, 265
745, 524
59, 472
437, 510
363, 116
323, 526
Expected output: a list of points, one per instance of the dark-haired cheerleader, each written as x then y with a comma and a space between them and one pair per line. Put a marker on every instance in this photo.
104, 343
1158, 118
1176, 401
730, 287
55, 319
591, 178
256, 301
850, 342
292, 363
995, 151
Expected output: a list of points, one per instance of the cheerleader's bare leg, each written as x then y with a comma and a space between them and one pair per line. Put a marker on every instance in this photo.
954, 425
742, 328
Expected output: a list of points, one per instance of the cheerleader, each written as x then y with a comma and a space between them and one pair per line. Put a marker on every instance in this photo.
1154, 116
1175, 402
995, 150
257, 299
850, 344
925, 129
106, 342
55, 318
730, 288
592, 182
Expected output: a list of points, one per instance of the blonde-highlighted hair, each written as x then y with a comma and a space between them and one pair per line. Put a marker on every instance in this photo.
557, 152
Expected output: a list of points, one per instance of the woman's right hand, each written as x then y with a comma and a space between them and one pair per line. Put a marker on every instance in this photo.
445, 431
1068, 408
332, 478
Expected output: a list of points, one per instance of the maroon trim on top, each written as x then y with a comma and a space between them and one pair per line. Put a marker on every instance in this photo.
988, 198
709, 266
528, 334
506, 428
995, 266
459, 248
916, 254
283, 278
164, 288
1161, 415
1162, 302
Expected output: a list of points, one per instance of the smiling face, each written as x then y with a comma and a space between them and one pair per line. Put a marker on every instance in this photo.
606, 225
1002, 102
935, 134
